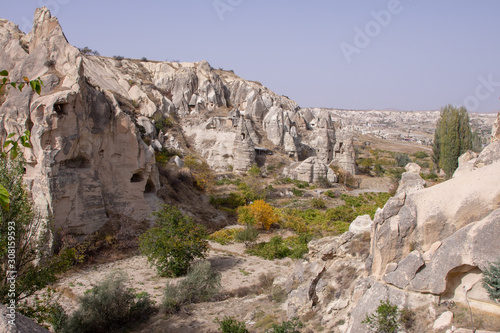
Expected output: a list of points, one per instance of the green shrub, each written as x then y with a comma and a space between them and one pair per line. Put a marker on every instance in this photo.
301, 183
296, 192
274, 249
224, 236
108, 307
248, 234
291, 326
420, 154
331, 194
491, 280
386, 319
396, 173
318, 203
223, 181
378, 169
229, 203
201, 284
174, 242
161, 122
341, 213
252, 190
429, 176
277, 248
254, 171
402, 159
165, 154
298, 245
231, 325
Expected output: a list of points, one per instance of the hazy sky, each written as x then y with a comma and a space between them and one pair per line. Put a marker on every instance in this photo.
351, 54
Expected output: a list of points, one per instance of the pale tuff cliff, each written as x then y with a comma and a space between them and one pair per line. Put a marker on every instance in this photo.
426, 246
97, 125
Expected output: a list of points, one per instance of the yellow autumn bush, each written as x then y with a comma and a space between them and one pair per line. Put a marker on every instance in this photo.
259, 214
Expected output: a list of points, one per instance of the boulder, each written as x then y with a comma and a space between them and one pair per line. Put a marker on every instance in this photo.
443, 321
17, 323
405, 271
465, 163
411, 180
489, 155
361, 224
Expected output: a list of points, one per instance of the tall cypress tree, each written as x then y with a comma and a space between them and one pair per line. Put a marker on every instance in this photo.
452, 138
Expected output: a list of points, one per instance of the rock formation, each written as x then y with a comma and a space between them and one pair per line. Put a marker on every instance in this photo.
22, 324
428, 245
99, 121
311, 170
495, 132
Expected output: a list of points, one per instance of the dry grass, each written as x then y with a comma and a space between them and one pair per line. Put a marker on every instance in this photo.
264, 286
482, 320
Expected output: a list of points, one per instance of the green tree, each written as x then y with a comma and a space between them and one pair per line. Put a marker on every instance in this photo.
491, 280
174, 242
386, 319
452, 138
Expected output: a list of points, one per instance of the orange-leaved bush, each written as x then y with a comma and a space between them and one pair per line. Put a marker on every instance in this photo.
259, 213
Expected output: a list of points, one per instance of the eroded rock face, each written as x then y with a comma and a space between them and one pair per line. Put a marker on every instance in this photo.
22, 324
427, 245
312, 170
99, 122
343, 152
87, 159
420, 218
495, 131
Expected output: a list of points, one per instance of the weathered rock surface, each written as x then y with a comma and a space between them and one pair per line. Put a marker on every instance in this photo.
312, 170
427, 245
495, 131
420, 218
465, 163
99, 122
89, 125
443, 321
361, 224
22, 324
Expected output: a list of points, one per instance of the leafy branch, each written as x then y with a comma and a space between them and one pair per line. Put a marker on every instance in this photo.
35, 85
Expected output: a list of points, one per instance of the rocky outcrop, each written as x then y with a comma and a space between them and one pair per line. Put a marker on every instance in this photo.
244, 147
465, 163
495, 131
14, 322
312, 170
343, 152
99, 122
361, 224
87, 159
428, 245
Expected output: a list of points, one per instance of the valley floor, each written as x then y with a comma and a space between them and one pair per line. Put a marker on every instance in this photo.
246, 293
